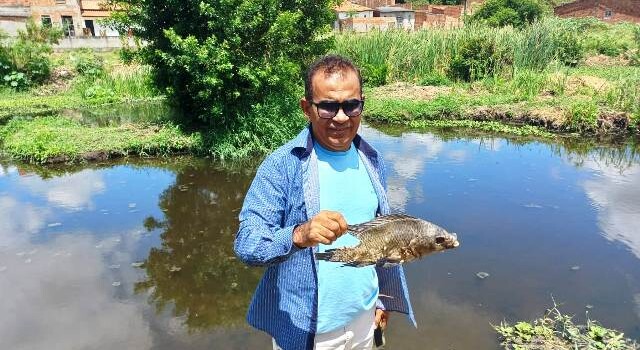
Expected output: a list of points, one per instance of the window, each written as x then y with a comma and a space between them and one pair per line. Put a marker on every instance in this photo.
67, 26
608, 13
399, 20
46, 21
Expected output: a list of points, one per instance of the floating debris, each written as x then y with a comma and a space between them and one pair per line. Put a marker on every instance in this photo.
114, 266
472, 180
575, 268
589, 306
533, 205
132, 205
116, 284
134, 211
20, 253
137, 264
99, 245
482, 275
234, 285
54, 224
175, 268
117, 240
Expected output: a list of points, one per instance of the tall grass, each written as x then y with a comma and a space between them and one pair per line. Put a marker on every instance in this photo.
427, 55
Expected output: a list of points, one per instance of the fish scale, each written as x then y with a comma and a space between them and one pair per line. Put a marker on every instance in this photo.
391, 239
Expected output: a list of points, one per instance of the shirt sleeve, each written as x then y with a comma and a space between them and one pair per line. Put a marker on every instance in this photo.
262, 240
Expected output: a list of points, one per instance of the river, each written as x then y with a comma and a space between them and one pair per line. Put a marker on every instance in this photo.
137, 254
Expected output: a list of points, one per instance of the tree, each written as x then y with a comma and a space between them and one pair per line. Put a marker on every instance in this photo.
219, 59
517, 13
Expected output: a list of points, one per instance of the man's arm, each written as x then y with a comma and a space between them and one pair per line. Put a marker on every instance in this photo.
262, 240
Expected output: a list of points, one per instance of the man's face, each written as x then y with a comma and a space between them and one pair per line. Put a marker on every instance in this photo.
337, 133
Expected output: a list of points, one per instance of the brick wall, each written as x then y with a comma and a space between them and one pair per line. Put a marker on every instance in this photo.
15, 3
621, 10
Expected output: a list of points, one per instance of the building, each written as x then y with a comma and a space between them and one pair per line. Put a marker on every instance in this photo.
405, 18
77, 18
604, 10
361, 25
348, 9
439, 16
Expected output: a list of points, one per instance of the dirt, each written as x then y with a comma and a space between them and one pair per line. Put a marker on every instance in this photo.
59, 82
604, 60
613, 122
409, 91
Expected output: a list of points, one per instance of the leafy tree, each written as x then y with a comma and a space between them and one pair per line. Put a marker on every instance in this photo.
516, 13
222, 59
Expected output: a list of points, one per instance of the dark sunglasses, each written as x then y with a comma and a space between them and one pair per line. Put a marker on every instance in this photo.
328, 110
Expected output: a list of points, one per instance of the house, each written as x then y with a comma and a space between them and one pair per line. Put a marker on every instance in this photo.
77, 18
439, 16
604, 10
92, 12
348, 9
361, 25
13, 15
405, 18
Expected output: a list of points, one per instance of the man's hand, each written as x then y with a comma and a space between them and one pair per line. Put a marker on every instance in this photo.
382, 317
323, 228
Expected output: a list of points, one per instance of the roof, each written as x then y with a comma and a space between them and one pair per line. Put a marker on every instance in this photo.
385, 9
348, 6
15, 11
92, 4
95, 14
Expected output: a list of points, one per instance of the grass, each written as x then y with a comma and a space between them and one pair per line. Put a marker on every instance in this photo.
56, 139
557, 331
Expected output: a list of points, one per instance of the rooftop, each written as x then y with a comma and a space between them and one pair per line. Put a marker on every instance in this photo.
385, 9
348, 6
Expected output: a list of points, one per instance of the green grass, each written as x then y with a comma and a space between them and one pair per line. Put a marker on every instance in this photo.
44, 139
556, 330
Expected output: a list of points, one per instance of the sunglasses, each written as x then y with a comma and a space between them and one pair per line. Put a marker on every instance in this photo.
328, 110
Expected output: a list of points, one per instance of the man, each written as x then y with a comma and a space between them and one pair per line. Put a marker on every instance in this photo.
300, 202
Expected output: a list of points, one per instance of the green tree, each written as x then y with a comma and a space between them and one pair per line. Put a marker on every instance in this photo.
516, 13
219, 59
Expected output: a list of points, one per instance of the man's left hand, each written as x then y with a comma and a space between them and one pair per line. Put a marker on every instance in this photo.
382, 317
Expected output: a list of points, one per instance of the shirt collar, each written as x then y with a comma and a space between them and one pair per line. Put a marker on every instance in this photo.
304, 143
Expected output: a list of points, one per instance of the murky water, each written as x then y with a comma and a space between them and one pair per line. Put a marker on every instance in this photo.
139, 254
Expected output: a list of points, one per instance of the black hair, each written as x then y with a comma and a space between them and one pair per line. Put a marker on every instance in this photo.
328, 64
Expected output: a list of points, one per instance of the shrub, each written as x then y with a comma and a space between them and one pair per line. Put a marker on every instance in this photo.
478, 56
516, 13
218, 59
86, 62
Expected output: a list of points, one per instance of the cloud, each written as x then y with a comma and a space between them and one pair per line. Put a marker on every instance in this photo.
18, 221
616, 194
74, 191
60, 296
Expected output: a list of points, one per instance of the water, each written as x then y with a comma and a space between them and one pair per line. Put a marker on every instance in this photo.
138, 254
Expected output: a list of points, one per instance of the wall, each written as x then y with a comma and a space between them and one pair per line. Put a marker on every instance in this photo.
408, 18
622, 10
96, 43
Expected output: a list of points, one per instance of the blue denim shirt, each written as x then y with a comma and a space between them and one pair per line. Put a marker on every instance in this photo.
283, 194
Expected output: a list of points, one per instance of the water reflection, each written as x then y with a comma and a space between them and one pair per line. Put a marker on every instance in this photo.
71, 191
195, 270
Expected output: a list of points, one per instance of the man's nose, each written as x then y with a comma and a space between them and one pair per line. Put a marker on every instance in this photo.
340, 116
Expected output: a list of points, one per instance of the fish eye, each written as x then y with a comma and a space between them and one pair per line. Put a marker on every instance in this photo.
439, 240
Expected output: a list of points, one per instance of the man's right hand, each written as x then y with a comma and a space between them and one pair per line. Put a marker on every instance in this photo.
323, 228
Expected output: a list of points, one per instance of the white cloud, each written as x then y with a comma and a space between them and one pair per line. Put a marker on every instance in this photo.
74, 191
617, 197
60, 296
18, 221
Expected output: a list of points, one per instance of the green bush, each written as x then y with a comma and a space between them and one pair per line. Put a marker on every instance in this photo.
478, 57
218, 59
569, 43
582, 116
16, 80
516, 13
86, 62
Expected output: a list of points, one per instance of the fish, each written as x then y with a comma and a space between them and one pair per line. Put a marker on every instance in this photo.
391, 240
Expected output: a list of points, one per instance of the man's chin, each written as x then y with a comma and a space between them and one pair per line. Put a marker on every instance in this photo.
341, 144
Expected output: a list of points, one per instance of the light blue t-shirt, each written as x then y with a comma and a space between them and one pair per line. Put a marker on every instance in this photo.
344, 292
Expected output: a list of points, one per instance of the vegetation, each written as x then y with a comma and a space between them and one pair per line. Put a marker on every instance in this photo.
557, 331
56, 139
516, 13
234, 66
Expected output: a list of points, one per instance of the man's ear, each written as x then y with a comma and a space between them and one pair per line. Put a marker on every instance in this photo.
306, 108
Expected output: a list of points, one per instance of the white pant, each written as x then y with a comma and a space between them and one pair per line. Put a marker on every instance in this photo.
357, 335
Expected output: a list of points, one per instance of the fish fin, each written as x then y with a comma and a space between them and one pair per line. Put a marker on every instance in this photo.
386, 263
358, 264
358, 229
327, 255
